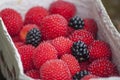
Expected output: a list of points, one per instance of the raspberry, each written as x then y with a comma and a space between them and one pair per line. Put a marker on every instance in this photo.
91, 26
45, 51
35, 15
83, 36
33, 73
72, 63
66, 9
99, 49
55, 70
26, 53
31, 34
13, 21
63, 45
54, 26
102, 67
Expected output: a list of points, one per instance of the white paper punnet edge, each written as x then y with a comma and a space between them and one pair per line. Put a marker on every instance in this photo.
108, 33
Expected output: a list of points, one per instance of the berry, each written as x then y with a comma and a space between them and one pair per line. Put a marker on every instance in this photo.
84, 65
91, 26
33, 74
30, 34
89, 77
45, 51
70, 30
13, 21
82, 35
55, 70
72, 63
80, 75
66, 9
102, 67
99, 49
63, 45
80, 51
26, 53
76, 23
16, 39
35, 15
53, 26
18, 44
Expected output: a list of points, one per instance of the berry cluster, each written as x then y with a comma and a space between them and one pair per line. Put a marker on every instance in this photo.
56, 44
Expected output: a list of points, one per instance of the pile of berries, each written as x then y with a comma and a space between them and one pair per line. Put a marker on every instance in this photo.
56, 44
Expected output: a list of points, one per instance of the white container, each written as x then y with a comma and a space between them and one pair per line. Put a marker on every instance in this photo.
10, 62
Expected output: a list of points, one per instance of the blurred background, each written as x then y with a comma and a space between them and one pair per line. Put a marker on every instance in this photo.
113, 9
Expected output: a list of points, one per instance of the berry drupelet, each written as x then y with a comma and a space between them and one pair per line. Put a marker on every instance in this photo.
80, 75
80, 51
76, 23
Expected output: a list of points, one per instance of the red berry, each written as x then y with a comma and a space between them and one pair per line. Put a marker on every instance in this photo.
102, 67
26, 53
53, 26
13, 21
30, 34
91, 26
66, 9
35, 15
16, 39
45, 51
55, 70
63, 45
18, 44
84, 65
33, 74
82, 35
89, 77
99, 49
25, 30
72, 63
70, 31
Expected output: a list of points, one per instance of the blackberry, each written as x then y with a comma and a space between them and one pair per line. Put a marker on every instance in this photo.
80, 51
33, 37
80, 75
76, 23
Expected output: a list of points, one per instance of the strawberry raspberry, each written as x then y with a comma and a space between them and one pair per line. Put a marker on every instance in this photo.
13, 21
35, 15
72, 63
63, 45
99, 49
66, 9
91, 26
82, 35
33, 73
45, 51
26, 53
55, 70
53, 26
102, 67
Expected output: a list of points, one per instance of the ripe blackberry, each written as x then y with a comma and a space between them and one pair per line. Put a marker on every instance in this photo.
80, 51
76, 23
33, 37
80, 75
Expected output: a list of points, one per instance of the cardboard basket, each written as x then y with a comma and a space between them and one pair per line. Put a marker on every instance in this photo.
10, 62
